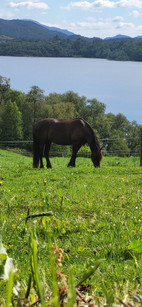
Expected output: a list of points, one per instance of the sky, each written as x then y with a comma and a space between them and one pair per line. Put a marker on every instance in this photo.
99, 18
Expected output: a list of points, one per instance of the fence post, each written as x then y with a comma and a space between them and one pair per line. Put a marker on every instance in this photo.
141, 147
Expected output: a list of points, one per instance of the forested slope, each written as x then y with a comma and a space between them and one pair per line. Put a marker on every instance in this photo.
119, 49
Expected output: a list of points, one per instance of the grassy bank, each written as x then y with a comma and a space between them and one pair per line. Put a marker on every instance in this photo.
96, 216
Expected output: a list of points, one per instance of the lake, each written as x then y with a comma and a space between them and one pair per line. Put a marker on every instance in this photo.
117, 84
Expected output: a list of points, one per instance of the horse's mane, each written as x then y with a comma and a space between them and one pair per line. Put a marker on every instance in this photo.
94, 137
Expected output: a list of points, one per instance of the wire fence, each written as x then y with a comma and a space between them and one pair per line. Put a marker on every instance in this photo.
25, 147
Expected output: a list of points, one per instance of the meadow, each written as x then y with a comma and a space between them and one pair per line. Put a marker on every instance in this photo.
90, 240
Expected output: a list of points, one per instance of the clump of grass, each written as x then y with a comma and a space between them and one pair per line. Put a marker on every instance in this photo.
63, 291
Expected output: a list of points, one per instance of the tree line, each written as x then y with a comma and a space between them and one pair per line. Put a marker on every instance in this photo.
126, 49
19, 112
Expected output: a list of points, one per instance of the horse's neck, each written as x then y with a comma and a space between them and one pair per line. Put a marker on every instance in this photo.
92, 139
94, 144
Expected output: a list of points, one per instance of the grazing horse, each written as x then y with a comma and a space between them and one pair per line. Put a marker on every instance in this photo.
75, 132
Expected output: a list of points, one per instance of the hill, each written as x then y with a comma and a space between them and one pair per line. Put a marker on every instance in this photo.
26, 29
119, 36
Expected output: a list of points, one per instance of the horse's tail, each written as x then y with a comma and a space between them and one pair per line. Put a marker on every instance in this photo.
35, 152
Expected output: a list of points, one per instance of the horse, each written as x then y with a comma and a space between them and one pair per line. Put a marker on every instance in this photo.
75, 132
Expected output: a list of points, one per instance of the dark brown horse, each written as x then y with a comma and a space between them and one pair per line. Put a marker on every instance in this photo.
75, 132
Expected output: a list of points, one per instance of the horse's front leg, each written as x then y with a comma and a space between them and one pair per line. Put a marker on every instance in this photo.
72, 161
75, 148
47, 148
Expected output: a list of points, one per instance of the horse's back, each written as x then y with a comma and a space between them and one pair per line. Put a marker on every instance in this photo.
65, 132
59, 131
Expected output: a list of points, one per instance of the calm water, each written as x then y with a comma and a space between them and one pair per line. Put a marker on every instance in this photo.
117, 84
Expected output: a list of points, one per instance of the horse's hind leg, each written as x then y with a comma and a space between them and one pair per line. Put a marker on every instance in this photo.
47, 148
75, 148
41, 155
35, 153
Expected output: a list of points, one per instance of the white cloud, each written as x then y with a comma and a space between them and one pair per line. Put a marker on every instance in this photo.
79, 4
135, 14
86, 5
117, 19
92, 27
132, 4
5, 14
30, 5
125, 26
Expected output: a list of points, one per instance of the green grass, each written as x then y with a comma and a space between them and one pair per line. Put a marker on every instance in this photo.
97, 214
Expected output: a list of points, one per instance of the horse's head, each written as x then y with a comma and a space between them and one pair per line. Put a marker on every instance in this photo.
96, 157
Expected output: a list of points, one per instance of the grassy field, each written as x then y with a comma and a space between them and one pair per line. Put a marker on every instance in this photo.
96, 225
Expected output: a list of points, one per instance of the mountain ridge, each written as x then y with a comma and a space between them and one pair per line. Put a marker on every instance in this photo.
55, 29
30, 29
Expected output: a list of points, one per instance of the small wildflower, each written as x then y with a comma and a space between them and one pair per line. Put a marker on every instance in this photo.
122, 179
1, 182
45, 181
135, 263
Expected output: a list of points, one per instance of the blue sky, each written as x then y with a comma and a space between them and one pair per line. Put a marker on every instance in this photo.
99, 18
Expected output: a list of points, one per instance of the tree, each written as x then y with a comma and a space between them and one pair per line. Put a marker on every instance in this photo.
11, 122
26, 108
118, 144
68, 105
54, 98
36, 97
79, 102
94, 109
62, 110
133, 139
4, 88
120, 122
94, 113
